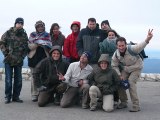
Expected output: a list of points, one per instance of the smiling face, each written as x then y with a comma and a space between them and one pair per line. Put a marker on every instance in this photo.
111, 35
121, 46
56, 55
103, 65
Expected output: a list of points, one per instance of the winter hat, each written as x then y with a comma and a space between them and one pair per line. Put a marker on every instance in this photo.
19, 20
87, 54
106, 22
124, 84
39, 23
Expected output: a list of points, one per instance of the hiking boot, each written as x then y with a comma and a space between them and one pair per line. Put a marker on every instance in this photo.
92, 108
122, 105
135, 109
17, 100
34, 98
85, 106
7, 101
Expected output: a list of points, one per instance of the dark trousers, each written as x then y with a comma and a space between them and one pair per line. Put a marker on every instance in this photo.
17, 84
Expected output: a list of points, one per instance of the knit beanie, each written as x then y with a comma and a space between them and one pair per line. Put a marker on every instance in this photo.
106, 22
87, 54
19, 20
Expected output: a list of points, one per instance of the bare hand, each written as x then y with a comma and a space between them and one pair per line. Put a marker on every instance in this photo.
149, 36
61, 77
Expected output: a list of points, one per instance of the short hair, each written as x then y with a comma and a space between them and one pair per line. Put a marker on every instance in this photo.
91, 20
121, 39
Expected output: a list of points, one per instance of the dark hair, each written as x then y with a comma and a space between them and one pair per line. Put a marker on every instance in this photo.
121, 39
53, 25
105, 22
111, 30
91, 20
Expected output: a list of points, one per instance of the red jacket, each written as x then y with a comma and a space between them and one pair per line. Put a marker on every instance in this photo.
69, 48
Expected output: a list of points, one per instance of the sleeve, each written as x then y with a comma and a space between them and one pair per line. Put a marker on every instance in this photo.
79, 44
138, 47
115, 63
37, 73
66, 48
3, 43
90, 78
69, 73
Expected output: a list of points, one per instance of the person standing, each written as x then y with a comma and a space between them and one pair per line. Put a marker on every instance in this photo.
131, 67
89, 39
56, 35
39, 45
14, 47
69, 49
105, 26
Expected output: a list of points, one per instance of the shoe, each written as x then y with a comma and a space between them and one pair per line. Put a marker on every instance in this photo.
92, 108
17, 100
122, 105
85, 106
135, 109
7, 101
34, 98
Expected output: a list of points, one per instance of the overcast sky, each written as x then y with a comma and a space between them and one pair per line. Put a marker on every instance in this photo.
130, 18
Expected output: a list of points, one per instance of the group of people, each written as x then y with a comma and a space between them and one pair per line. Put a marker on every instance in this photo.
86, 67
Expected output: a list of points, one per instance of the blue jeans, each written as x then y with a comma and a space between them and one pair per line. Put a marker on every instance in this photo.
17, 85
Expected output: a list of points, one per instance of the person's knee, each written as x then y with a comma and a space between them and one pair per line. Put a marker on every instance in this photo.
65, 104
108, 109
41, 104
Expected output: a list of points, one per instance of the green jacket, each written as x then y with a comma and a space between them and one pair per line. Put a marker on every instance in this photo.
14, 46
106, 80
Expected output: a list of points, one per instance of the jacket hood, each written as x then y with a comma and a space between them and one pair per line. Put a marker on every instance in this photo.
104, 57
76, 23
56, 47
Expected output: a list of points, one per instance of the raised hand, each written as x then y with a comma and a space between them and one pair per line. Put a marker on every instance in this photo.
149, 36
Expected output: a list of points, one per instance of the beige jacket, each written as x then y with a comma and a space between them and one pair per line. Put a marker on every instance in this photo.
129, 62
33, 48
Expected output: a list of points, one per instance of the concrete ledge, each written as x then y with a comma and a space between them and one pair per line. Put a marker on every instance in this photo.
26, 73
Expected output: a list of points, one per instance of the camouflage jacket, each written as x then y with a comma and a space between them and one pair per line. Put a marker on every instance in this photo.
14, 46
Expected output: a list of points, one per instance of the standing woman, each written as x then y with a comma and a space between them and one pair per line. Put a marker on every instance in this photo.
69, 49
56, 36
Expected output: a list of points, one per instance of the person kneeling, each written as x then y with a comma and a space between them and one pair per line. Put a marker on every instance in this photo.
105, 82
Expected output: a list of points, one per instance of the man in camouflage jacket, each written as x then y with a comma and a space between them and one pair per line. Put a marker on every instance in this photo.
14, 46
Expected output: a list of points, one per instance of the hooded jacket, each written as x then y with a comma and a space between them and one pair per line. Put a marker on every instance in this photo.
106, 80
47, 70
69, 49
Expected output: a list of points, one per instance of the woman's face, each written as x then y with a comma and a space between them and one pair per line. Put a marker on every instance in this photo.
111, 35
56, 30
103, 65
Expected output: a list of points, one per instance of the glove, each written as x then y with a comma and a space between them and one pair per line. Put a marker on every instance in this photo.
42, 88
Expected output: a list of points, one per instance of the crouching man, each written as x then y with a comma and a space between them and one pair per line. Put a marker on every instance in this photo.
77, 83
46, 77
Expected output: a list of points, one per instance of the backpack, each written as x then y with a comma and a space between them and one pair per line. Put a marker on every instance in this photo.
141, 54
